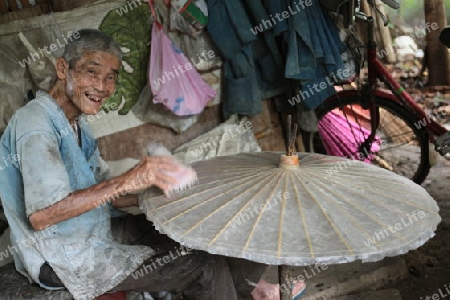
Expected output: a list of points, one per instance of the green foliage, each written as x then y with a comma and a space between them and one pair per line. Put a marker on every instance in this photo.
412, 11
131, 30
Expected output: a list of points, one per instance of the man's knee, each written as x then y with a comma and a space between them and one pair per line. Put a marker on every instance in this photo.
243, 270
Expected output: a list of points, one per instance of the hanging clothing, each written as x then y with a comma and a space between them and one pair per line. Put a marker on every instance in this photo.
241, 88
253, 66
314, 53
229, 26
249, 33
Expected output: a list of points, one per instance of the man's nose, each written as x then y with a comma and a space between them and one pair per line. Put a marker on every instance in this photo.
100, 84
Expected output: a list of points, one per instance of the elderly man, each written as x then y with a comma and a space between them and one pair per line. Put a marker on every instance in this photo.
58, 201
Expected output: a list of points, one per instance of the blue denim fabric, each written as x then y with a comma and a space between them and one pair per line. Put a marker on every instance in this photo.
270, 67
314, 51
253, 67
242, 92
301, 60
316, 95
276, 6
229, 26
257, 13
51, 165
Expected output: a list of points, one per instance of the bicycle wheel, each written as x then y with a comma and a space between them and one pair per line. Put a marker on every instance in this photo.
399, 145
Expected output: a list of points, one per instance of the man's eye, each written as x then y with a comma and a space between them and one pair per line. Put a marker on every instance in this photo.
112, 78
92, 72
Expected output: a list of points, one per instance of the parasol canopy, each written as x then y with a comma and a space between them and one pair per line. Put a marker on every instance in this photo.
326, 209
341, 136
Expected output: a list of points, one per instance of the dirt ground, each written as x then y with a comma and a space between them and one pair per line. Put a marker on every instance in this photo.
429, 266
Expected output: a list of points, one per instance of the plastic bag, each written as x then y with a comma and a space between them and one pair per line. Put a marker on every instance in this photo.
14, 85
149, 112
195, 44
173, 79
43, 70
229, 138
178, 23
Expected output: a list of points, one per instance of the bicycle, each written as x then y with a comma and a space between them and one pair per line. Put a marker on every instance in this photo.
385, 128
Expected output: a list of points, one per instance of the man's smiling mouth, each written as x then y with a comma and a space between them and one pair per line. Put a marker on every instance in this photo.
94, 98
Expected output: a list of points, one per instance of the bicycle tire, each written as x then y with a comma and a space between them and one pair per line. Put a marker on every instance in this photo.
419, 134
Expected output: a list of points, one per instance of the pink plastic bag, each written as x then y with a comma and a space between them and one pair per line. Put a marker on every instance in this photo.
173, 78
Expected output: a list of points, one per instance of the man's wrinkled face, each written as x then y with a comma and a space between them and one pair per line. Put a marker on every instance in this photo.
92, 80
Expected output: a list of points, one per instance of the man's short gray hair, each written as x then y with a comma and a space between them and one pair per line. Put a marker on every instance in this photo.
89, 40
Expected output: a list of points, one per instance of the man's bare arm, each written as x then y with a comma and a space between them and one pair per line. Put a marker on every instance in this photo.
126, 201
148, 172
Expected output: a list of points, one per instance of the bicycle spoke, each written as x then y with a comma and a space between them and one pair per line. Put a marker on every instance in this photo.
398, 145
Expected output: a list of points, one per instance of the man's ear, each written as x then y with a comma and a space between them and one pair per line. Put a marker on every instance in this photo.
61, 68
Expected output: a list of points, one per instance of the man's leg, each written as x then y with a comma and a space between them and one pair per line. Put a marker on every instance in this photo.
243, 270
137, 230
197, 275
48, 277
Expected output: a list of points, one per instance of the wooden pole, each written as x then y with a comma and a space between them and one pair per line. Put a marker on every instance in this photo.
437, 60
285, 281
385, 37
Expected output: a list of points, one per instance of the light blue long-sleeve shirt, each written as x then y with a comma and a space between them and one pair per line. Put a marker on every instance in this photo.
42, 163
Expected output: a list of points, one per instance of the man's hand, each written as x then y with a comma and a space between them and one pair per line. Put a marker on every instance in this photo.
150, 171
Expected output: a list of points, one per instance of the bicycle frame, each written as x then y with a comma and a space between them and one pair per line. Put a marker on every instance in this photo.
376, 70
364, 115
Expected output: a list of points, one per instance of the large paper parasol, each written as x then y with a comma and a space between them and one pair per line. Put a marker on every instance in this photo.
325, 209
341, 134
296, 210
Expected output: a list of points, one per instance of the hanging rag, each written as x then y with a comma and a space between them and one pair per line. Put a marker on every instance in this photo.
185, 175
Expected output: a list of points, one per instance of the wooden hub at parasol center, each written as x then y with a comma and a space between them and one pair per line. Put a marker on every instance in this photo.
289, 162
